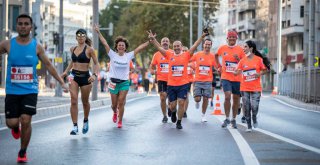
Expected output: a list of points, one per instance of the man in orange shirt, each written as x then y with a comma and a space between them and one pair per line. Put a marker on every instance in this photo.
160, 63
190, 71
231, 55
204, 61
177, 76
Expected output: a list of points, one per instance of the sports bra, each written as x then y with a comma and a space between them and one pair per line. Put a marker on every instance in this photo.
81, 58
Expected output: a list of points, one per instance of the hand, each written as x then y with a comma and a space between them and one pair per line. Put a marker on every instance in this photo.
92, 78
257, 75
65, 88
96, 28
151, 36
63, 75
206, 31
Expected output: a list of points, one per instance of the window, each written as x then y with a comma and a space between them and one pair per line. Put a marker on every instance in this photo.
283, 24
288, 23
253, 14
301, 11
15, 14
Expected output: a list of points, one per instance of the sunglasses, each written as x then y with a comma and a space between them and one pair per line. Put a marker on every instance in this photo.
81, 35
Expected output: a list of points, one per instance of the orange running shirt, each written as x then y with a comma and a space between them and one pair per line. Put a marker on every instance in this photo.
204, 63
162, 66
249, 67
190, 71
178, 64
229, 63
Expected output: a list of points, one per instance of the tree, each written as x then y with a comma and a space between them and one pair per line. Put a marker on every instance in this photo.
168, 18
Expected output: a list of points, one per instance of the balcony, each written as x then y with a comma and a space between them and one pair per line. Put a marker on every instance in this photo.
246, 25
292, 30
247, 5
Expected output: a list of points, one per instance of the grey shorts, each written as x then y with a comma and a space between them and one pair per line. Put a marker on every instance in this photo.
202, 89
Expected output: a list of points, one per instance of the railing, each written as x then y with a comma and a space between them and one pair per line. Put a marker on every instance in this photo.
295, 84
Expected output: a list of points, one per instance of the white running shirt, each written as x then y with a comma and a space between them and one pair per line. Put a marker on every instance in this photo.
120, 65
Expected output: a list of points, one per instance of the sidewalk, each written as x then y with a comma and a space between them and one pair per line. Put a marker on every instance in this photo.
297, 103
49, 105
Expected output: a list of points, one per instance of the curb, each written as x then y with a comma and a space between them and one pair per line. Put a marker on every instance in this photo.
65, 109
297, 103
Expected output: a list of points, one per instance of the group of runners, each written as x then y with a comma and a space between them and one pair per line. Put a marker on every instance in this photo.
174, 68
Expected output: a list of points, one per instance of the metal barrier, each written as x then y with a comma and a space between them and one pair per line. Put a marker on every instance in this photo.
295, 85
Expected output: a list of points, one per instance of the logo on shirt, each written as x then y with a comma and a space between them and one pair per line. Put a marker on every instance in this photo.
172, 59
162, 58
245, 66
225, 53
201, 59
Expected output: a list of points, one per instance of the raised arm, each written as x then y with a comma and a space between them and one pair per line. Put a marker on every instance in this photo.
140, 48
196, 44
102, 39
44, 59
152, 39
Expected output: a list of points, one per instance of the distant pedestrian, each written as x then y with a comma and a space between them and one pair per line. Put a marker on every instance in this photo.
22, 81
103, 78
251, 67
81, 78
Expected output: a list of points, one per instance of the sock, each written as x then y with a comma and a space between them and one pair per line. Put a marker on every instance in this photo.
75, 124
228, 118
16, 130
179, 122
85, 120
22, 152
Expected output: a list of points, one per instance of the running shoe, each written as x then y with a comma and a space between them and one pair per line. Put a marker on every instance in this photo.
243, 119
234, 124
185, 115
169, 112
179, 126
74, 131
119, 124
85, 128
197, 105
174, 117
249, 130
23, 159
203, 119
16, 135
165, 119
115, 117
255, 124
225, 123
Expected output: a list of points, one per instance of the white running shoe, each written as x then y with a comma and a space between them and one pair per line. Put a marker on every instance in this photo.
249, 130
203, 119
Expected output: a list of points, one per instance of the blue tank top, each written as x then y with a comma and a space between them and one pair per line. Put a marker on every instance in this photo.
21, 69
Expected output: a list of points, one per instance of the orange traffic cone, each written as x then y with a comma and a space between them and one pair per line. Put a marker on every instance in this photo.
217, 109
274, 91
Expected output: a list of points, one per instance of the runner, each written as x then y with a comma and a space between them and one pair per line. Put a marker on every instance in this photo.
81, 78
231, 55
119, 72
190, 71
177, 76
252, 67
160, 63
22, 81
204, 61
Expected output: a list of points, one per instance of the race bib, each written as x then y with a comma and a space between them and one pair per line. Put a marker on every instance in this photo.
204, 70
164, 67
112, 85
177, 71
23, 74
249, 75
231, 66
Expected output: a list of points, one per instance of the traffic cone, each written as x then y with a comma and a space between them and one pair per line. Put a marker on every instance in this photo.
274, 91
217, 109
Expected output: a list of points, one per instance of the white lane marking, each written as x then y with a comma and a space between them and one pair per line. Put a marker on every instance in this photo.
282, 102
248, 155
305, 146
66, 115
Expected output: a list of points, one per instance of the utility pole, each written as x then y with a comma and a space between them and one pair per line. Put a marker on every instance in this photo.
311, 47
200, 16
58, 91
191, 31
4, 30
95, 20
275, 90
